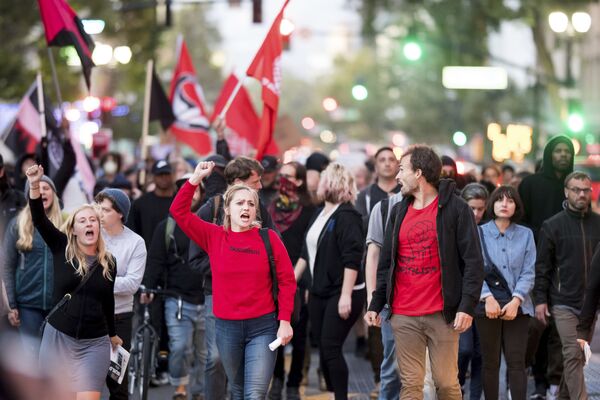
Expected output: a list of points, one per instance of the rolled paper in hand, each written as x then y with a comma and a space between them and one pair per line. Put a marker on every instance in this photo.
275, 344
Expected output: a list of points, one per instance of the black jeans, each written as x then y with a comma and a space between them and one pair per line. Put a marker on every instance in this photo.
331, 331
123, 326
298, 349
498, 335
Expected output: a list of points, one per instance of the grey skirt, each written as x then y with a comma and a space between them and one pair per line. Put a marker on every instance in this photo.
81, 364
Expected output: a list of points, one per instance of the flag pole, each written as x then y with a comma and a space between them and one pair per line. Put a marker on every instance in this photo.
40, 98
232, 97
146, 119
55, 78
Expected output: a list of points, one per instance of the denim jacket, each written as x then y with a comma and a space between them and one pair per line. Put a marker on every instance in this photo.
514, 254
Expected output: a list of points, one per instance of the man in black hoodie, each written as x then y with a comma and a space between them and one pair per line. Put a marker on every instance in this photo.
543, 192
543, 195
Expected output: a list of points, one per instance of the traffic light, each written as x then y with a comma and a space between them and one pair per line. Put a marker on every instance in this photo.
575, 120
412, 50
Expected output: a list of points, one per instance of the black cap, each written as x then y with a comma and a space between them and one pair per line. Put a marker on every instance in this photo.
161, 167
317, 162
218, 159
269, 163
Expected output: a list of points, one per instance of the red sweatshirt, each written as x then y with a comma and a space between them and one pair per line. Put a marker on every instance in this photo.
242, 286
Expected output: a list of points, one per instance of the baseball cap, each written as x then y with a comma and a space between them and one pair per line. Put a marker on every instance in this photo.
218, 159
269, 163
161, 167
317, 161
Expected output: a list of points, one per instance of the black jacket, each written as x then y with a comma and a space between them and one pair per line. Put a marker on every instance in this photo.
170, 264
198, 258
566, 244
459, 249
592, 297
543, 193
340, 246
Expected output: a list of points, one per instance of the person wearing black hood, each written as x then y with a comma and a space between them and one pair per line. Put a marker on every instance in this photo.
332, 251
543, 192
450, 171
543, 195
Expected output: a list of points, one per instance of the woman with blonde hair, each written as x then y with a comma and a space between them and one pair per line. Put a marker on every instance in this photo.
244, 304
80, 328
28, 273
333, 250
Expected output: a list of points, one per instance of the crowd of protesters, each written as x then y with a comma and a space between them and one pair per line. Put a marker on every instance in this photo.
451, 272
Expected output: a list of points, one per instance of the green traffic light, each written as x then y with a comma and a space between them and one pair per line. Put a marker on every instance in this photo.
575, 122
412, 51
459, 138
359, 92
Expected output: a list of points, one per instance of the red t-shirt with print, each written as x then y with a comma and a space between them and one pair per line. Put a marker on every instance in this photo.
418, 275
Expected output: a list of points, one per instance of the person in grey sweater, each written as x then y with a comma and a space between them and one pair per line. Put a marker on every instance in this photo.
130, 252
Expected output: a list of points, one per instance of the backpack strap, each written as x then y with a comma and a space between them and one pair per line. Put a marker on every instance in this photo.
215, 210
385, 205
264, 235
169, 229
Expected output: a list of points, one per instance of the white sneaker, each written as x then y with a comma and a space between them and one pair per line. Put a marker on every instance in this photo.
552, 392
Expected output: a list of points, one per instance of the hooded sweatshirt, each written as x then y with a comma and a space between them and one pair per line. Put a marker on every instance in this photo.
543, 192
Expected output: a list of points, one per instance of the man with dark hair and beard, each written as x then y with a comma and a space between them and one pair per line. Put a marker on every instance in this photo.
566, 244
543, 195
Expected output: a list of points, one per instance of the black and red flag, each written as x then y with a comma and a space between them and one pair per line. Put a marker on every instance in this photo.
24, 134
64, 28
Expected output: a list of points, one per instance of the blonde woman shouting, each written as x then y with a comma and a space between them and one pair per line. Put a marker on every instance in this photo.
77, 338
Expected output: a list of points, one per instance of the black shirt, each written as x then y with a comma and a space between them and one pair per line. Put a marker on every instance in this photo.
171, 264
90, 312
146, 213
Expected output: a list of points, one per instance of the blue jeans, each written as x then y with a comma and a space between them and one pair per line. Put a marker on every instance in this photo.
244, 349
187, 353
215, 381
31, 322
389, 379
469, 352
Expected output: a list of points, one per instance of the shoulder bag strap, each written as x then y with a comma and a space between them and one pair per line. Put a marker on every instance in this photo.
486, 255
68, 296
264, 234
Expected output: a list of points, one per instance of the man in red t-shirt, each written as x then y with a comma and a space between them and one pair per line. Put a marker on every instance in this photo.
430, 272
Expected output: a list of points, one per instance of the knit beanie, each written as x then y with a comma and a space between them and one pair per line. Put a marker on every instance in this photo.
120, 201
45, 178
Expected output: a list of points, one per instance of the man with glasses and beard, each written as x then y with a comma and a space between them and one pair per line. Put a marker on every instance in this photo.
566, 243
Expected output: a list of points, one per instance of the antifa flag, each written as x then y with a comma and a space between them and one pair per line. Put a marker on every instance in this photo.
160, 108
243, 123
64, 28
191, 124
266, 68
25, 132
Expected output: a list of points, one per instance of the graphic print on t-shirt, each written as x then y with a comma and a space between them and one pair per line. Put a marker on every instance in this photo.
418, 289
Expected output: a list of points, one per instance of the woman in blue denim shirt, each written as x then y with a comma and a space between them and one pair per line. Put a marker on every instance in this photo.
511, 249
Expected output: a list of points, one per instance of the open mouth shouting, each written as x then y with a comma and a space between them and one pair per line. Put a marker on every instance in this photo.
245, 217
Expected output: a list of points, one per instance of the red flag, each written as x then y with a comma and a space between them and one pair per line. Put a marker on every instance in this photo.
266, 67
191, 124
64, 28
243, 123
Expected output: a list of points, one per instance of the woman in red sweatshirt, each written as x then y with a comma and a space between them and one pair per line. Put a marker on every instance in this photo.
242, 286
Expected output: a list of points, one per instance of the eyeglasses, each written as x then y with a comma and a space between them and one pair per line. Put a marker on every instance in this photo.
577, 190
